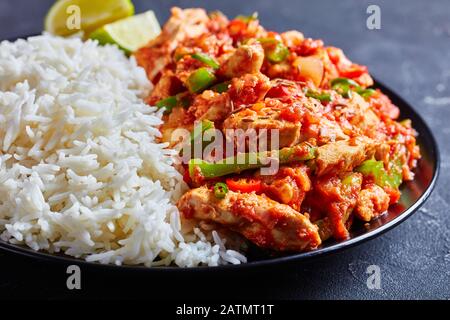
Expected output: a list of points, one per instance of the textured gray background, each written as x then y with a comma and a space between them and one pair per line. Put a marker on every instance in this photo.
411, 54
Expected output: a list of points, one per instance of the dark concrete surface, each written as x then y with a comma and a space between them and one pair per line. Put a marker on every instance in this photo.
411, 54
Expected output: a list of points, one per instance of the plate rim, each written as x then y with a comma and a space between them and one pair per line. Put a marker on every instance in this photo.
270, 262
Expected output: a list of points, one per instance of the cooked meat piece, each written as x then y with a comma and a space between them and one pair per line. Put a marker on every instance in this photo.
372, 201
326, 227
292, 38
280, 70
317, 122
213, 44
153, 60
263, 221
384, 105
185, 67
289, 185
248, 58
248, 89
342, 156
182, 24
175, 120
265, 118
336, 197
382, 152
324, 131
286, 91
211, 105
167, 86
360, 115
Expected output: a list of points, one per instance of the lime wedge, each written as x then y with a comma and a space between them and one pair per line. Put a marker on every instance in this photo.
67, 17
131, 33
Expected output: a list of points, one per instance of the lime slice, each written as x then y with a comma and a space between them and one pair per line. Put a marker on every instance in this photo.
131, 33
67, 17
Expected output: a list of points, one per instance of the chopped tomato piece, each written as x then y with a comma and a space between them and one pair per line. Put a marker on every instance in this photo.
290, 114
308, 47
187, 177
280, 92
237, 28
334, 54
394, 195
245, 185
354, 71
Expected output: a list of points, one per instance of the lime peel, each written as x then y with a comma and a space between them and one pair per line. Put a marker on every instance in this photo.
92, 15
130, 33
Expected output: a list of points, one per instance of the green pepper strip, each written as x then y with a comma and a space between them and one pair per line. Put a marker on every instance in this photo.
247, 19
382, 178
344, 86
180, 55
204, 58
365, 93
200, 79
197, 134
350, 180
301, 152
343, 82
278, 54
220, 190
322, 96
221, 87
168, 103
274, 50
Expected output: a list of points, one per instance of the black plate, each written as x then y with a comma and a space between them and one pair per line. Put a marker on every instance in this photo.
414, 194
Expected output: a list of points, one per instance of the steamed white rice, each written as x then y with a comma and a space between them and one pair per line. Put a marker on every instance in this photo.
80, 169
